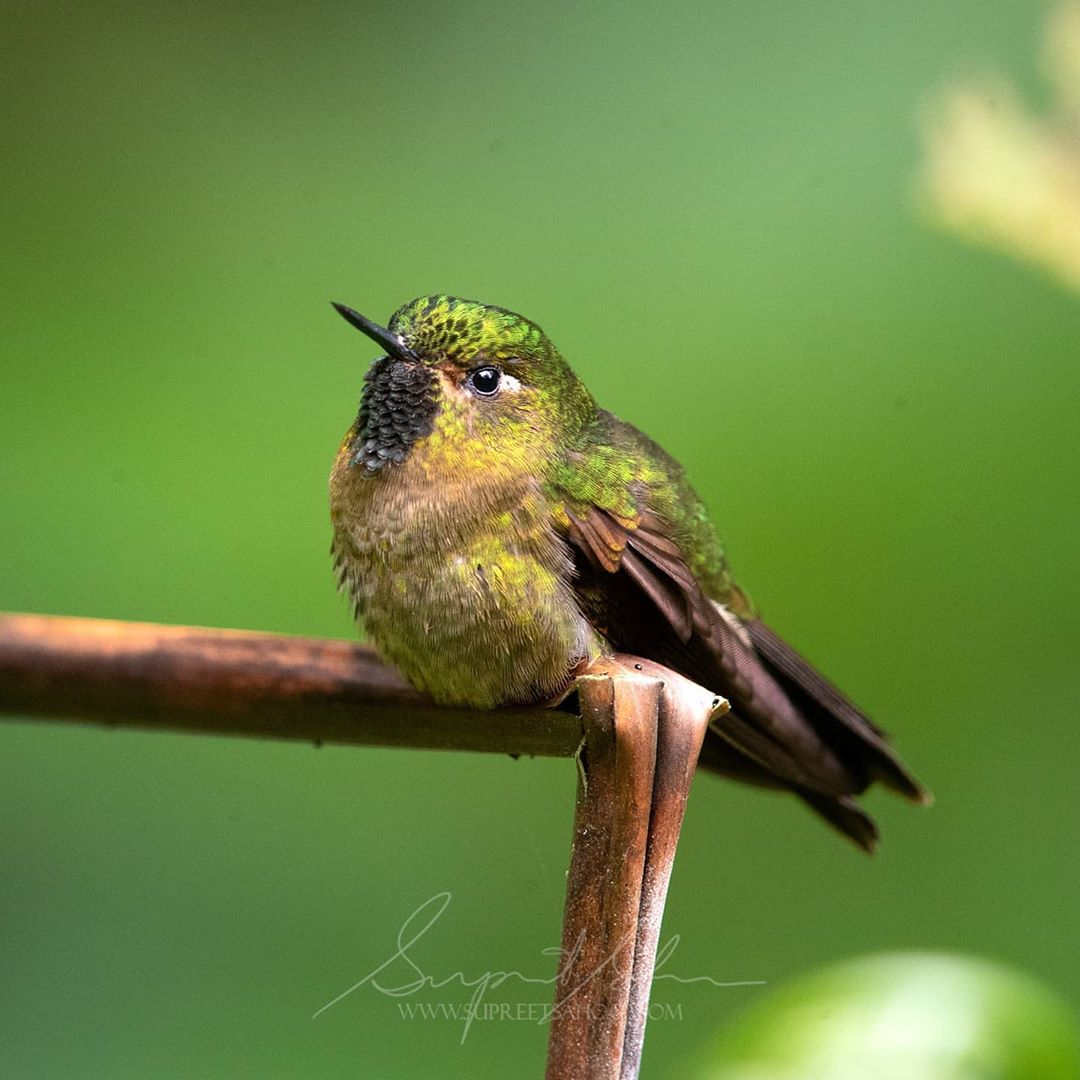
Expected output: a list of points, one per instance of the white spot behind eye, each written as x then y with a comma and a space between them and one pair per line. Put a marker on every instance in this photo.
509, 383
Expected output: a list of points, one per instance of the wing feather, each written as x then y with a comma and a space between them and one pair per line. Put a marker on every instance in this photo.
788, 724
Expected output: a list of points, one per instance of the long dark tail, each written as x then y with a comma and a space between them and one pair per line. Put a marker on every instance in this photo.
787, 727
827, 750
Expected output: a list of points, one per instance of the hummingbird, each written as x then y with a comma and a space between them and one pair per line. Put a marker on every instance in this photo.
497, 531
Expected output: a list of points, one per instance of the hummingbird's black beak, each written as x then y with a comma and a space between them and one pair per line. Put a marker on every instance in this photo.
379, 334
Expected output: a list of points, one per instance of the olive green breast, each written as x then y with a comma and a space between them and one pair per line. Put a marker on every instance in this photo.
458, 576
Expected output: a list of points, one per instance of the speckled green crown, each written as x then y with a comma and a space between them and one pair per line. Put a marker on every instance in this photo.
448, 328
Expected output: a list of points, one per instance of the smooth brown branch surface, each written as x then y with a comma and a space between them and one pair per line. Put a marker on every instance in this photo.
229, 682
603, 888
644, 725
685, 710
641, 729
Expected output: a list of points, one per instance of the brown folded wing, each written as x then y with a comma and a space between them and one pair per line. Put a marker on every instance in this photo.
788, 726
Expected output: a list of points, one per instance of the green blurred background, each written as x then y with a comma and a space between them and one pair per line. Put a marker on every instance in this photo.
710, 208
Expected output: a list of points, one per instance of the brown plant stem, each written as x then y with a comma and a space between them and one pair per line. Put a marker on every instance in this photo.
644, 726
639, 735
231, 682
685, 712
603, 889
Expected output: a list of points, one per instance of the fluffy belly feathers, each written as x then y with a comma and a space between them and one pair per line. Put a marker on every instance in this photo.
478, 615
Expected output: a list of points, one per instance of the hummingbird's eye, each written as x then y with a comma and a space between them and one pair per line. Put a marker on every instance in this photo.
485, 380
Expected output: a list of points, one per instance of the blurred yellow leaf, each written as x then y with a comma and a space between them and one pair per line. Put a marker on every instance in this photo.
1002, 177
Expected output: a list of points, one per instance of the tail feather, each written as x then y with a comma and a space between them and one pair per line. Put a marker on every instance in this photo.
832, 714
788, 726
847, 816
842, 812
798, 731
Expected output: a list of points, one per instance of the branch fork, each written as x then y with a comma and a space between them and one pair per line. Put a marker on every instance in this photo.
638, 738
644, 726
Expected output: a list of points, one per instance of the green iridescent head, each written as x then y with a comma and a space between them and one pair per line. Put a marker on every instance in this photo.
472, 372
464, 332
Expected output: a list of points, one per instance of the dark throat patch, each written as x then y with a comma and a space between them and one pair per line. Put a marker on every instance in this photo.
397, 407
